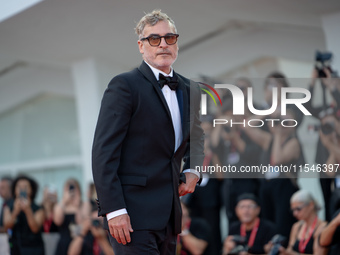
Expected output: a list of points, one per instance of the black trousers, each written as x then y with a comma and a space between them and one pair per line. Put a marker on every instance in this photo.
148, 242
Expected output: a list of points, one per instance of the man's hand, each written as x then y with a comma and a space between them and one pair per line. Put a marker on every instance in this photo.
189, 186
120, 228
267, 247
228, 245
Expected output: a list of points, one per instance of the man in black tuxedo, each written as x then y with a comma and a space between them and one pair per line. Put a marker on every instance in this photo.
148, 123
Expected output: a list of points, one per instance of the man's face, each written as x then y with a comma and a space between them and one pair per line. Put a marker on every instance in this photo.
5, 189
247, 211
162, 56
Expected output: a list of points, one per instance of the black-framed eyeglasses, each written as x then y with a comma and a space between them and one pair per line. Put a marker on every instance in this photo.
155, 40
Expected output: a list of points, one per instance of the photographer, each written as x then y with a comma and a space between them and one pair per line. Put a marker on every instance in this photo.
25, 218
273, 80
205, 202
330, 138
328, 83
239, 151
90, 203
281, 147
67, 214
332, 85
6, 195
251, 233
304, 233
48, 203
92, 238
329, 135
195, 238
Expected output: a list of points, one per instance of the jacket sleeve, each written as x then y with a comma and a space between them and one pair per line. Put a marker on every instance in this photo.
194, 154
112, 126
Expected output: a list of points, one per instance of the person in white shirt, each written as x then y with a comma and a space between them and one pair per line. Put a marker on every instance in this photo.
148, 123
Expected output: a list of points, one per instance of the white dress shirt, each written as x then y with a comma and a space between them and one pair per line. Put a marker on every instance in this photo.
171, 99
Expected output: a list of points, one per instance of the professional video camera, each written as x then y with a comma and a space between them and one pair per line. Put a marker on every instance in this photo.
241, 245
322, 61
278, 241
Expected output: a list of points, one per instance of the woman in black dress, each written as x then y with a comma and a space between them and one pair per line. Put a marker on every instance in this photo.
67, 215
25, 219
304, 234
280, 148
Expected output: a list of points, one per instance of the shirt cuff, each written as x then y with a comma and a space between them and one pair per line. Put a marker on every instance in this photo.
193, 171
113, 214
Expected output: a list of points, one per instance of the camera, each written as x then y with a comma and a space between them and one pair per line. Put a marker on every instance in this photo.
23, 194
241, 245
326, 128
71, 187
96, 223
322, 60
278, 241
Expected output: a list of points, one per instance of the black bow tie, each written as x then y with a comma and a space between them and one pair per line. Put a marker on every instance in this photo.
172, 82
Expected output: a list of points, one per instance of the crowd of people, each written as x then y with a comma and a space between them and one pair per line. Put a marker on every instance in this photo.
273, 200
24, 220
268, 215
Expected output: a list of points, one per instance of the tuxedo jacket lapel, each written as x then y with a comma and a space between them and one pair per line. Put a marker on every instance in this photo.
147, 72
181, 92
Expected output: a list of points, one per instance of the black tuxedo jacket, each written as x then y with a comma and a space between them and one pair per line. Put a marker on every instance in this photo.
134, 162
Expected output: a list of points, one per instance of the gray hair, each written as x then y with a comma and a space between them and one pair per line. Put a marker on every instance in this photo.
152, 19
305, 197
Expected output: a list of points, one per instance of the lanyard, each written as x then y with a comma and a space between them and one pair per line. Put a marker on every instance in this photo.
47, 225
303, 242
253, 232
